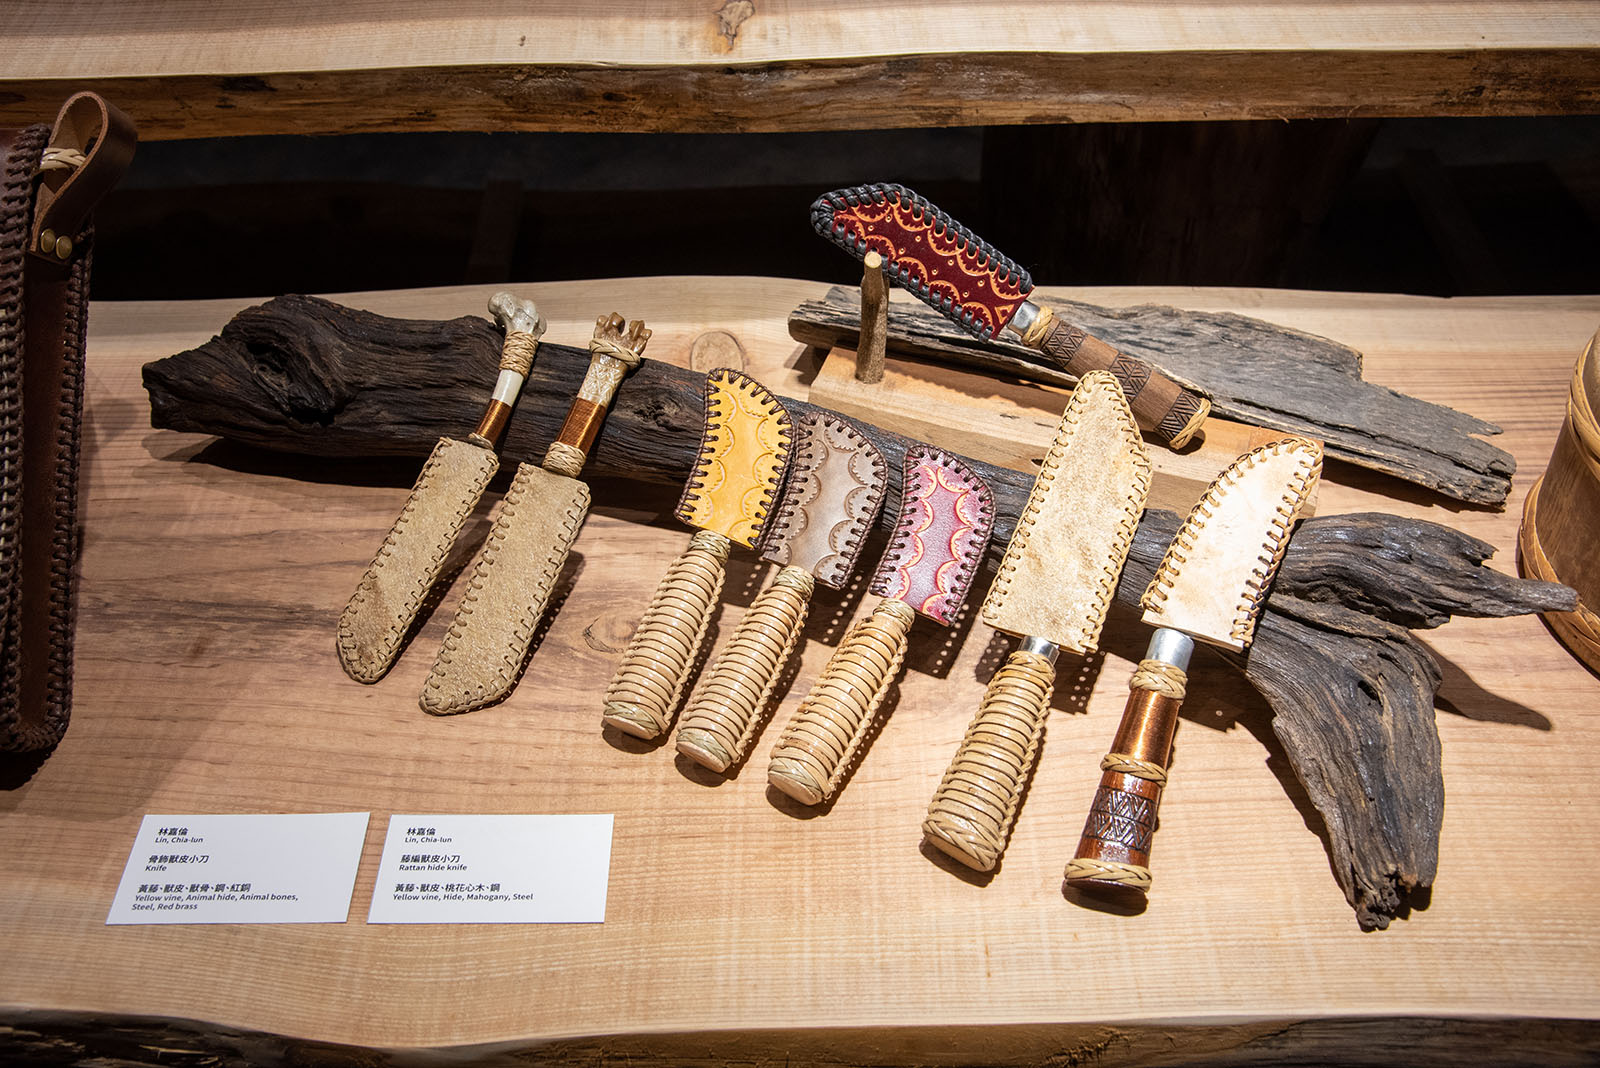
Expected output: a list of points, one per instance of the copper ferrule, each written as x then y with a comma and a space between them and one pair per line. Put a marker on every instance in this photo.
1149, 722
493, 423
582, 424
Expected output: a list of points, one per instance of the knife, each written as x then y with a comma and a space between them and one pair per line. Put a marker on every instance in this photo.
1057, 579
836, 485
946, 512
743, 453
539, 518
1210, 587
380, 612
983, 291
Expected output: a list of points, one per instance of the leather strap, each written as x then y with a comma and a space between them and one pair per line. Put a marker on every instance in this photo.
52, 179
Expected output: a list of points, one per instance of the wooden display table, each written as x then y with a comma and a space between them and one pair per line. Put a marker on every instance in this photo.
740, 927
234, 67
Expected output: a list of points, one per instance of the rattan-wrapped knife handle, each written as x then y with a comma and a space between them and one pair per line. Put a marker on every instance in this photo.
1159, 404
971, 814
648, 685
1114, 853
817, 748
720, 723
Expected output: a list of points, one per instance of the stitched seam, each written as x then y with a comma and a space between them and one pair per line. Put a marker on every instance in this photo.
423, 583
882, 193
714, 431
527, 620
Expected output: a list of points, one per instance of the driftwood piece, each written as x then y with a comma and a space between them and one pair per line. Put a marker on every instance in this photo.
1350, 688
1254, 372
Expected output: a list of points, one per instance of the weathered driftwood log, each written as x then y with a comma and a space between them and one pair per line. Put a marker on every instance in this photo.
1254, 372
1350, 688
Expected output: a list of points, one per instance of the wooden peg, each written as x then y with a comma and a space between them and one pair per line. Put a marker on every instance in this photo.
874, 320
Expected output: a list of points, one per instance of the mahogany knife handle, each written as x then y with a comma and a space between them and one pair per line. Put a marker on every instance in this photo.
817, 748
971, 814
1114, 852
649, 683
720, 723
1159, 404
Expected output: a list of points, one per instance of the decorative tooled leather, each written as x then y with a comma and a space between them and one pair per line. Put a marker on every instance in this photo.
1215, 575
836, 485
926, 252
408, 563
1060, 570
511, 582
946, 512
742, 457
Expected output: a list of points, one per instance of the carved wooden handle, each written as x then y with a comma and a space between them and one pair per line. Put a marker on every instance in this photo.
720, 723
1114, 853
972, 811
816, 749
648, 684
1159, 404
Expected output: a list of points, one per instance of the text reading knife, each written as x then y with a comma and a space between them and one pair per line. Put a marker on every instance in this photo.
983, 291
729, 494
836, 485
539, 518
1057, 579
385, 602
946, 513
1210, 587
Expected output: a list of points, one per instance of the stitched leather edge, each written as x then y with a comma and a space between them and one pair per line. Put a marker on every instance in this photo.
1270, 554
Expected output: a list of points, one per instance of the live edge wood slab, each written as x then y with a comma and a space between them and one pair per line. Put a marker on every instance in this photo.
1351, 689
212, 577
234, 67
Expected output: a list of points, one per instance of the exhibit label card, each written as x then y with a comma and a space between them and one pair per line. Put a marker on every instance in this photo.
493, 869
241, 869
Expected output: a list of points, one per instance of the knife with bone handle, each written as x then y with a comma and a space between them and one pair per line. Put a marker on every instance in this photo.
1210, 587
385, 603
1055, 582
836, 485
946, 513
538, 520
728, 497
983, 291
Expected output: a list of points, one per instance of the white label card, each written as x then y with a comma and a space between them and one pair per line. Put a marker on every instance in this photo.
493, 869
241, 869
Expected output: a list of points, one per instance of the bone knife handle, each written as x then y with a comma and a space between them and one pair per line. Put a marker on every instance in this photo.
971, 813
1160, 405
615, 353
720, 723
1114, 853
817, 748
647, 686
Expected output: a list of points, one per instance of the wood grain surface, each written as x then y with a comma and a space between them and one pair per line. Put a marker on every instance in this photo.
316, 66
207, 682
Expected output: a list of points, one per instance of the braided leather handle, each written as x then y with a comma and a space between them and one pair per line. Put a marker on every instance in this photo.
816, 749
647, 686
971, 814
1159, 404
720, 723
1114, 852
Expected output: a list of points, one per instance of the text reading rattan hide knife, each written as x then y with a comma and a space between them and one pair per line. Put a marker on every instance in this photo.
983, 291
946, 513
1210, 587
408, 563
522, 557
729, 495
836, 484
1057, 579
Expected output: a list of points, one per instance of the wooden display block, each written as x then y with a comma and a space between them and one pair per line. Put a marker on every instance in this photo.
1010, 422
